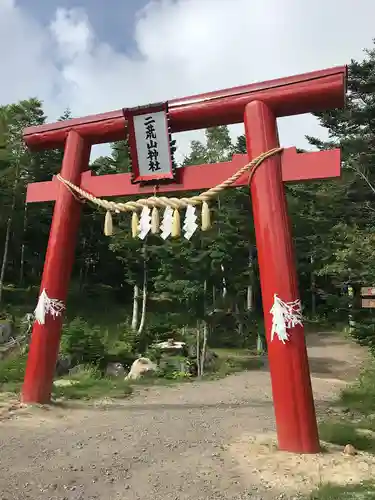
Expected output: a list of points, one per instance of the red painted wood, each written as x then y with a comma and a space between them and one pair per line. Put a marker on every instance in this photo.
295, 167
321, 90
45, 338
309, 92
292, 394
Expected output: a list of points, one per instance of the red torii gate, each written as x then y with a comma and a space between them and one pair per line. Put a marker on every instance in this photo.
258, 105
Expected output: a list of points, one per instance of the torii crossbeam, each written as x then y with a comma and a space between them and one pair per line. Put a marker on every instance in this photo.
295, 167
258, 106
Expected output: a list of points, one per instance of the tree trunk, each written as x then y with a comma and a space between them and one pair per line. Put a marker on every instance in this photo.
260, 346
8, 231
239, 320
250, 286
204, 348
135, 308
22, 263
144, 292
82, 267
84, 274
312, 273
5, 257
205, 331
313, 288
198, 346
225, 290
224, 284
249, 298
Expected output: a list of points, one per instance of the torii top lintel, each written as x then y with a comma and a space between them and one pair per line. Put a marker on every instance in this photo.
306, 93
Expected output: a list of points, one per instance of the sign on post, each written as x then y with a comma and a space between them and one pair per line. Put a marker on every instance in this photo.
150, 144
368, 297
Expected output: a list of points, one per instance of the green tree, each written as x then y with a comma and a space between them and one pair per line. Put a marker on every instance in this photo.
343, 211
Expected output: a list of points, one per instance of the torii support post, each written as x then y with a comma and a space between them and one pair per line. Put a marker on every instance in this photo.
258, 105
289, 367
44, 347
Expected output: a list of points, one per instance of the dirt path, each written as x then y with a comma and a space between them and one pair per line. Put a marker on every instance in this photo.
168, 443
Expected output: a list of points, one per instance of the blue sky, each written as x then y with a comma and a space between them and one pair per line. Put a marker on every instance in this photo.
98, 55
112, 20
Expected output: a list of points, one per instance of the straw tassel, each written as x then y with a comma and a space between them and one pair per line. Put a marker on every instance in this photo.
155, 221
135, 224
108, 224
176, 224
206, 216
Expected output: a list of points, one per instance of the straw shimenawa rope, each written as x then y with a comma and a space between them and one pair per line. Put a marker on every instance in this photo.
163, 201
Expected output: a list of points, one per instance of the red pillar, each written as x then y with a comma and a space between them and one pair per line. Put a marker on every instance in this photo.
45, 339
290, 376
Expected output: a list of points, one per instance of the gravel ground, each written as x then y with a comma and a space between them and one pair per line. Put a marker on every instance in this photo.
166, 443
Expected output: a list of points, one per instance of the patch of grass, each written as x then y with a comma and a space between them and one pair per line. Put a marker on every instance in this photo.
360, 491
85, 389
11, 387
12, 370
91, 388
235, 360
234, 352
367, 423
88, 384
343, 433
360, 396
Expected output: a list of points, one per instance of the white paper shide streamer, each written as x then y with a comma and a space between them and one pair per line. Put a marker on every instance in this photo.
286, 315
144, 226
45, 306
166, 223
190, 225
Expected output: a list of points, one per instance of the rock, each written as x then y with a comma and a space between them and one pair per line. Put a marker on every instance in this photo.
141, 367
115, 370
65, 383
171, 346
6, 331
77, 369
210, 357
210, 360
27, 323
63, 365
350, 450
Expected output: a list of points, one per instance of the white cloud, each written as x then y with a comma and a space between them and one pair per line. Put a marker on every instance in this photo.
72, 33
184, 47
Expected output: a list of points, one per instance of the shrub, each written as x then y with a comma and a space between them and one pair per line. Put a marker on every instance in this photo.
360, 396
164, 326
121, 352
174, 367
85, 372
82, 342
364, 333
12, 370
154, 353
